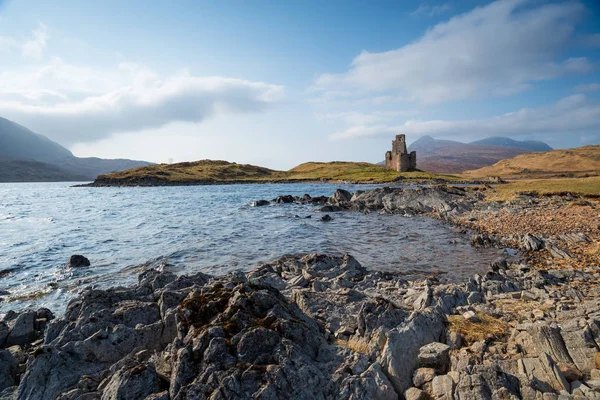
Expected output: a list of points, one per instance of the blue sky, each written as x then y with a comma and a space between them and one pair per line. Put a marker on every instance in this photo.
280, 83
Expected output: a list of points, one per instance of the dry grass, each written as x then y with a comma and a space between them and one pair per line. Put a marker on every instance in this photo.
579, 186
359, 345
487, 328
577, 162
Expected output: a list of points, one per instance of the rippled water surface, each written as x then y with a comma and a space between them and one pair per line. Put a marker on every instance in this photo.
207, 228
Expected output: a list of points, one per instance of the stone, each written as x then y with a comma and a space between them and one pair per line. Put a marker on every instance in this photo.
8, 369
435, 355
340, 196
77, 261
136, 382
326, 218
23, 330
443, 387
454, 340
399, 159
399, 356
475, 298
415, 394
423, 375
471, 316
260, 203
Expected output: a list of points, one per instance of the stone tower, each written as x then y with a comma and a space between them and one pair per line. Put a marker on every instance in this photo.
399, 158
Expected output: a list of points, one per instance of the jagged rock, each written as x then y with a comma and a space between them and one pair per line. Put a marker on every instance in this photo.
23, 330
371, 384
77, 261
3, 333
132, 383
435, 355
531, 243
423, 375
399, 357
8, 369
543, 373
340, 197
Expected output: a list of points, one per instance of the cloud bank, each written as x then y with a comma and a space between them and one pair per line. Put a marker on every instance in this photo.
74, 104
571, 114
496, 50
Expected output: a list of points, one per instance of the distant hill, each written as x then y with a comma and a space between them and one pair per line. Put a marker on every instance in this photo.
531, 145
576, 162
34, 171
452, 157
19, 144
205, 172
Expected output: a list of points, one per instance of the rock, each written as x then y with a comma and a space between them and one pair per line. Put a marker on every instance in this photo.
454, 340
475, 298
3, 333
415, 394
132, 383
326, 218
260, 203
331, 209
399, 356
435, 355
340, 196
471, 316
443, 387
23, 330
284, 199
8, 369
77, 261
423, 375
531, 243
371, 384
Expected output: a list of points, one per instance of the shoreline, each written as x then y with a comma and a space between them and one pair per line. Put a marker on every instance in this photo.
518, 331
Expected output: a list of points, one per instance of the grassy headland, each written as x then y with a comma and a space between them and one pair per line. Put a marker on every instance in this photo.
568, 163
212, 172
578, 186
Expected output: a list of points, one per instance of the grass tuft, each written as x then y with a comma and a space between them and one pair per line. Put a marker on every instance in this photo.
488, 327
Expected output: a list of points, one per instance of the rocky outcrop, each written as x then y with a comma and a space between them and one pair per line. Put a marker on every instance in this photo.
316, 326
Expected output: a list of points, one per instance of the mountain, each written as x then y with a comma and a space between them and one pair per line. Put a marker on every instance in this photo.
576, 162
31, 157
452, 157
531, 145
18, 142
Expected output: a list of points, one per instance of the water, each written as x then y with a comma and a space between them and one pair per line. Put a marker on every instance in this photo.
198, 228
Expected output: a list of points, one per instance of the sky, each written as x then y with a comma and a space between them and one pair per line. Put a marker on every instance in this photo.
281, 83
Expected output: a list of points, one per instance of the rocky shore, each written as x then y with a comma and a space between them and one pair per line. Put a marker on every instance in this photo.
325, 327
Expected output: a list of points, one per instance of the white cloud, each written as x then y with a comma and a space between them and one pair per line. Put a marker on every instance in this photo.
496, 50
431, 11
36, 46
361, 118
145, 101
589, 87
572, 115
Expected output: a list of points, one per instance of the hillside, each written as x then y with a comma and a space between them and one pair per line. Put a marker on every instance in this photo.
452, 157
531, 145
209, 172
34, 171
19, 144
576, 162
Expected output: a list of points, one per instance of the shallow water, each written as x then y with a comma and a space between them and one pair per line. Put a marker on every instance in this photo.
198, 228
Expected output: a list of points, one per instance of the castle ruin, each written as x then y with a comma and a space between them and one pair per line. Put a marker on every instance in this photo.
399, 158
